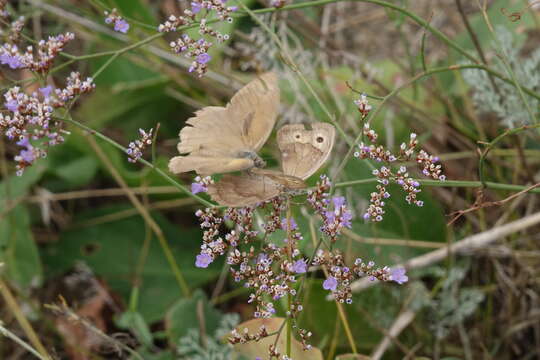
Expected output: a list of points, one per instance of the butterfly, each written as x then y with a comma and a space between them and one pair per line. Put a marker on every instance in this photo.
303, 152
226, 139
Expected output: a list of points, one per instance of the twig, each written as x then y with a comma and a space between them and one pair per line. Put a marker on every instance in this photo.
146, 216
401, 322
477, 241
494, 142
23, 322
64, 310
480, 205
21, 342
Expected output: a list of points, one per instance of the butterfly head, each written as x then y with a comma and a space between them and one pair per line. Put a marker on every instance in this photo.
257, 161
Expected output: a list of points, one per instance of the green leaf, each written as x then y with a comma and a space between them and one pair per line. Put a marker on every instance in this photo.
112, 250
132, 320
186, 314
18, 251
78, 172
16, 187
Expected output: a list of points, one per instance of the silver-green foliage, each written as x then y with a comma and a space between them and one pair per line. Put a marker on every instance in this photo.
214, 347
453, 304
505, 101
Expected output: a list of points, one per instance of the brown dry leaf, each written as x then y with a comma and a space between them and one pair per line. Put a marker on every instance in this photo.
81, 341
253, 350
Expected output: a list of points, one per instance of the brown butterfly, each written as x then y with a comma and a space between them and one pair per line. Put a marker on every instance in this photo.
226, 139
302, 153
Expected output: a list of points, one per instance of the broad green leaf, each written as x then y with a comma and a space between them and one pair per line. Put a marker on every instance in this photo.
18, 251
134, 321
186, 314
78, 172
15, 187
112, 251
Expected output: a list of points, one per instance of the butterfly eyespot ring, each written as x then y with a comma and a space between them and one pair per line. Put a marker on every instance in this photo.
297, 136
319, 139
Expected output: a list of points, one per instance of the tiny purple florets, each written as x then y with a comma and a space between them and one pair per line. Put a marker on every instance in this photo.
196, 7
300, 266
203, 260
197, 188
46, 91
12, 105
285, 222
330, 283
398, 275
121, 25
203, 58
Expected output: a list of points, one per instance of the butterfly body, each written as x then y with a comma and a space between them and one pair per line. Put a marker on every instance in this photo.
303, 152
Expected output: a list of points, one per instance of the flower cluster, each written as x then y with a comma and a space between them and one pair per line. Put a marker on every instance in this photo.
363, 106
15, 29
336, 219
340, 276
385, 174
39, 60
198, 49
201, 184
120, 24
30, 123
272, 270
136, 148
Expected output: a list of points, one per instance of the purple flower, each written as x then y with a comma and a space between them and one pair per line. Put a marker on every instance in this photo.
330, 283
121, 25
24, 142
338, 201
233, 8
261, 258
300, 266
203, 260
197, 188
330, 216
13, 61
285, 223
346, 218
46, 91
12, 105
398, 275
203, 58
27, 156
196, 7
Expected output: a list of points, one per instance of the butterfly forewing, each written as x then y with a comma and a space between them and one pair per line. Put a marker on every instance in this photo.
217, 135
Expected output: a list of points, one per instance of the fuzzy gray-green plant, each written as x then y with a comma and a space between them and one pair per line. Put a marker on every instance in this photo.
215, 348
505, 102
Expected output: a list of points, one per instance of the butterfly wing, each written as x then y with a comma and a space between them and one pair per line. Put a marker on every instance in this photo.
235, 131
207, 165
243, 190
304, 151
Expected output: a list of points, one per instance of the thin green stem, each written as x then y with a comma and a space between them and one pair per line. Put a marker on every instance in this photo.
447, 183
169, 179
21, 342
294, 67
482, 160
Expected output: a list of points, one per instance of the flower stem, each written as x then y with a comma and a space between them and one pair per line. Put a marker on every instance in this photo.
490, 146
164, 175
